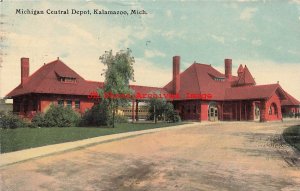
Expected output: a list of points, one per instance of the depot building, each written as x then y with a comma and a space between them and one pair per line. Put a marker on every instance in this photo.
232, 97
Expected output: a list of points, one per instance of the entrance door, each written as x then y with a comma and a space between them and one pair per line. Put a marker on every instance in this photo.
213, 113
256, 113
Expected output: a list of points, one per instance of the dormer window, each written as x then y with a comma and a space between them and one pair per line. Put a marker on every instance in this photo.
219, 79
67, 79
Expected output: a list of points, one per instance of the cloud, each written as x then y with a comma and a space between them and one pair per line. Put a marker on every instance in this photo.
247, 13
294, 1
169, 13
173, 34
78, 44
146, 73
183, 17
294, 52
256, 42
218, 38
153, 53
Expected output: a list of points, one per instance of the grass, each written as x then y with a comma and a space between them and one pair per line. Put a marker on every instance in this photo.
292, 136
24, 138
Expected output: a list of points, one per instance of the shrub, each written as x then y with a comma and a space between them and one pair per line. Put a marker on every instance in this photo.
170, 114
118, 119
58, 116
96, 116
163, 111
11, 121
38, 120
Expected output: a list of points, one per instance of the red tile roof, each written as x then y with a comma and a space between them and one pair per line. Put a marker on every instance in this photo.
45, 80
245, 78
147, 89
290, 100
240, 69
204, 79
197, 79
254, 92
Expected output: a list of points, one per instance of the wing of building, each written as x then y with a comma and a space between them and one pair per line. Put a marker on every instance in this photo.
198, 93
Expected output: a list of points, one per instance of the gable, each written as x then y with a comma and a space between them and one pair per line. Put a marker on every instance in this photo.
245, 77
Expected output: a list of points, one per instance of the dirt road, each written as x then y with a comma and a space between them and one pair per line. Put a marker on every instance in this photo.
216, 156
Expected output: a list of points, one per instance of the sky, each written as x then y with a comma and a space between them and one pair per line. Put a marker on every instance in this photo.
264, 35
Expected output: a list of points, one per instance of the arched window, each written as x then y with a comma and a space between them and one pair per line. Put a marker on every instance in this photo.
273, 109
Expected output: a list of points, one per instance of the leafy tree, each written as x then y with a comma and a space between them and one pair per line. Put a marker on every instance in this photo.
160, 109
97, 115
117, 76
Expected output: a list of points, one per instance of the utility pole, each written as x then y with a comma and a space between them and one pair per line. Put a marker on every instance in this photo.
155, 121
1, 78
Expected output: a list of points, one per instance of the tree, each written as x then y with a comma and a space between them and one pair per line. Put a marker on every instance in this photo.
96, 116
117, 76
160, 109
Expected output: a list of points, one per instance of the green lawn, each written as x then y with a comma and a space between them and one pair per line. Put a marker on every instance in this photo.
23, 138
292, 136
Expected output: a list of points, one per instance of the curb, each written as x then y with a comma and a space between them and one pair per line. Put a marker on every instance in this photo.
27, 154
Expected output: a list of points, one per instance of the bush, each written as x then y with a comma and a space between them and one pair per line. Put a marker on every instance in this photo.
96, 116
163, 111
170, 114
38, 120
118, 119
58, 116
11, 121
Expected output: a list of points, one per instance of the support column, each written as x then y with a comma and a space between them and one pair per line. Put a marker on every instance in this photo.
222, 116
21, 107
240, 111
252, 111
132, 112
262, 111
246, 112
136, 110
236, 111
203, 111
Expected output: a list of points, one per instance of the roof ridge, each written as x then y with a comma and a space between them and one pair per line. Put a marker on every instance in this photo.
197, 79
36, 72
145, 86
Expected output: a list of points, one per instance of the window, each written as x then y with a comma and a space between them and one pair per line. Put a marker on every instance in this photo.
77, 104
273, 109
35, 105
69, 103
60, 102
219, 79
67, 79
189, 109
195, 109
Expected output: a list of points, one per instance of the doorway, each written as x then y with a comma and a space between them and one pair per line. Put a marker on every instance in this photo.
213, 112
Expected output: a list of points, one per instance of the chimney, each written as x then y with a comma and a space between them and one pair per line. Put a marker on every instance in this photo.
228, 69
24, 70
176, 75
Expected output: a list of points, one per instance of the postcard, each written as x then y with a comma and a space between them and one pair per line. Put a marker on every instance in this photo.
150, 95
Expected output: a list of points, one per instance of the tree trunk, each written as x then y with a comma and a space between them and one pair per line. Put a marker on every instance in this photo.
155, 120
113, 121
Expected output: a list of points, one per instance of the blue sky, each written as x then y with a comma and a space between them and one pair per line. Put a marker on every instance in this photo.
264, 35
